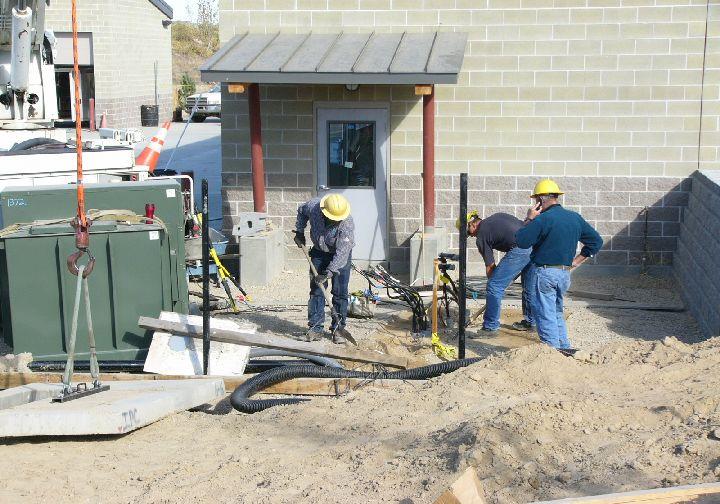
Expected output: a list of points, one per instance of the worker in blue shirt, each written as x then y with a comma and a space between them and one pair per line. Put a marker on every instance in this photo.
332, 232
553, 233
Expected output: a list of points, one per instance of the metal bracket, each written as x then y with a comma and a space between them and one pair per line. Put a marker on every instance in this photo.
81, 390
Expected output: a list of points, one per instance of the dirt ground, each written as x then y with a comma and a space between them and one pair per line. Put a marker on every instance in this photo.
637, 409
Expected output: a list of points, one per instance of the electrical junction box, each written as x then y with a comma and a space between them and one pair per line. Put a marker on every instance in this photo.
139, 270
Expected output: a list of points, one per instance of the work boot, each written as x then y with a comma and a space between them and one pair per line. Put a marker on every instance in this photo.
523, 326
314, 334
484, 333
337, 339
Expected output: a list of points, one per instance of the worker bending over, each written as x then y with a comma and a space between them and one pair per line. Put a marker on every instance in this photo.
332, 232
497, 232
553, 233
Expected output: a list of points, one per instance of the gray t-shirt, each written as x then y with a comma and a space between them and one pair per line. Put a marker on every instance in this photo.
497, 232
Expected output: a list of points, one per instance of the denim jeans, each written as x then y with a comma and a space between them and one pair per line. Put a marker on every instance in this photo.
316, 305
550, 287
514, 263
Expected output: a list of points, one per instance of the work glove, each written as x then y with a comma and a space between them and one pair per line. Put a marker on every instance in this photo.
322, 278
299, 239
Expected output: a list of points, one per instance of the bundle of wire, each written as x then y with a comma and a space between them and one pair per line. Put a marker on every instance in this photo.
378, 277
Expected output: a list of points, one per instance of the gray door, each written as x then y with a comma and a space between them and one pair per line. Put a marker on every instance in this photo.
352, 161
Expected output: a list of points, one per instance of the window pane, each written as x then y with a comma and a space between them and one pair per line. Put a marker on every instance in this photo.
351, 155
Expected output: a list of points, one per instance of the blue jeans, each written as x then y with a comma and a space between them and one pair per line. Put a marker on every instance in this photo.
550, 287
514, 263
316, 305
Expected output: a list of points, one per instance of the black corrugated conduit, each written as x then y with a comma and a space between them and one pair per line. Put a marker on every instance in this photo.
240, 398
271, 352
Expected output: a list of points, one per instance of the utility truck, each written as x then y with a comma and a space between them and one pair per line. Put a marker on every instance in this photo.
32, 150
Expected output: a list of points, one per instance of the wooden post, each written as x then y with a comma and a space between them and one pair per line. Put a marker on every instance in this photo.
429, 160
256, 152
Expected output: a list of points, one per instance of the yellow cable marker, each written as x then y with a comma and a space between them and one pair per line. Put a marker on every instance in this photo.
441, 350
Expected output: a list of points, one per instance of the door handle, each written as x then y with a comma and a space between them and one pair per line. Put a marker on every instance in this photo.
323, 188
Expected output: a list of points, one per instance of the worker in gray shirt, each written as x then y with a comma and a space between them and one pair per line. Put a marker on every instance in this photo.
332, 232
497, 232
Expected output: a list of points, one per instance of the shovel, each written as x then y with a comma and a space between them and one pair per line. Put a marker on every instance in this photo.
338, 331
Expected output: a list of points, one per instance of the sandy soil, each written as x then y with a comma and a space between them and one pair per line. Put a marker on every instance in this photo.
637, 409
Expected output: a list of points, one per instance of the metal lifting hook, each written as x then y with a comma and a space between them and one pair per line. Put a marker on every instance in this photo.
82, 242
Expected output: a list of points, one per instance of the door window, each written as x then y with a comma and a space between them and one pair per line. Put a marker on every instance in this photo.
351, 154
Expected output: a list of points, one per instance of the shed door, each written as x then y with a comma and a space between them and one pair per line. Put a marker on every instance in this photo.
352, 161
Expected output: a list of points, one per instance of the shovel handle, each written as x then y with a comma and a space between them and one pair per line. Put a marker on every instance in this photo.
328, 299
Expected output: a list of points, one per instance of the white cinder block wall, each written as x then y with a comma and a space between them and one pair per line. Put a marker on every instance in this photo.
128, 38
603, 95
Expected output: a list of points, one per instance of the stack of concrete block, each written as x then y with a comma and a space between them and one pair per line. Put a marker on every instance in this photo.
696, 265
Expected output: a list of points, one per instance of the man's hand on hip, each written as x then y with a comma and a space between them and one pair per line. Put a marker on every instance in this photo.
579, 259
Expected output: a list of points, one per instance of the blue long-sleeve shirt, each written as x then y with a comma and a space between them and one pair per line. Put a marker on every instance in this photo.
554, 235
338, 239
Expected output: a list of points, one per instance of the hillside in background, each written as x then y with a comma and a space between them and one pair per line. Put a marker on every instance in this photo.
192, 44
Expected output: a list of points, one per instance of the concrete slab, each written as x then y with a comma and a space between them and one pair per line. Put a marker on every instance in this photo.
125, 407
170, 354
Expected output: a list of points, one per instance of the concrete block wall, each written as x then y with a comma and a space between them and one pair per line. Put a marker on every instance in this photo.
696, 266
571, 89
128, 38
610, 204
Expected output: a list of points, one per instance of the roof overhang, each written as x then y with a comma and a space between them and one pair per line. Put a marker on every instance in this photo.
344, 58
163, 7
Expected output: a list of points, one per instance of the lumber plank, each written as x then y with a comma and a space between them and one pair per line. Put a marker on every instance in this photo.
671, 495
467, 489
296, 386
271, 341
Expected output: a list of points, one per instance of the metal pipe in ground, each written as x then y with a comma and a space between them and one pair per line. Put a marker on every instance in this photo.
462, 284
205, 276
429, 161
256, 152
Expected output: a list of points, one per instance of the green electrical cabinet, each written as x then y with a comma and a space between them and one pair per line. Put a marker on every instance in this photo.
139, 270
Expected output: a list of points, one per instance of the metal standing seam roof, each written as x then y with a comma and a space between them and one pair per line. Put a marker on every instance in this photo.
341, 58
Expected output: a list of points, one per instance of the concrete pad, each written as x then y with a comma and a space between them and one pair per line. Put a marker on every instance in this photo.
125, 407
24, 394
170, 354
423, 250
262, 257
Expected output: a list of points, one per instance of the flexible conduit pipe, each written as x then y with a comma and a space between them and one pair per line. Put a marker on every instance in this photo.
240, 398
317, 359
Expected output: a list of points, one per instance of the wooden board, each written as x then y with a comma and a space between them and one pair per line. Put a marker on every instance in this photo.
296, 386
705, 493
278, 342
467, 489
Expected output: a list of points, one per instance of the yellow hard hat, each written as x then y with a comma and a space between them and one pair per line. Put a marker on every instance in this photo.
546, 186
335, 207
470, 216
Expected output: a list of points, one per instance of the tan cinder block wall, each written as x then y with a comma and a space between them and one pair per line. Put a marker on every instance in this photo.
573, 89
128, 37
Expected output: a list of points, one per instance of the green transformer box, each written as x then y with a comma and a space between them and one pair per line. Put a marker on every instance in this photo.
139, 269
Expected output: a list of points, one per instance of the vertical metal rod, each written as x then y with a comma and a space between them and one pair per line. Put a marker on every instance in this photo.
256, 152
205, 276
429, 161
462, 302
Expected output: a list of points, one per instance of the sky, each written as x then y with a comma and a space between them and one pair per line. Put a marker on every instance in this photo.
180, 8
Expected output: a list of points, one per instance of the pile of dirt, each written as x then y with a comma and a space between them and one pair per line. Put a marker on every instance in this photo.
534, 424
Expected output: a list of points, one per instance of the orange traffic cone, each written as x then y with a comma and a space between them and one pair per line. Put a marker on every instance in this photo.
103, 121
150, 155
